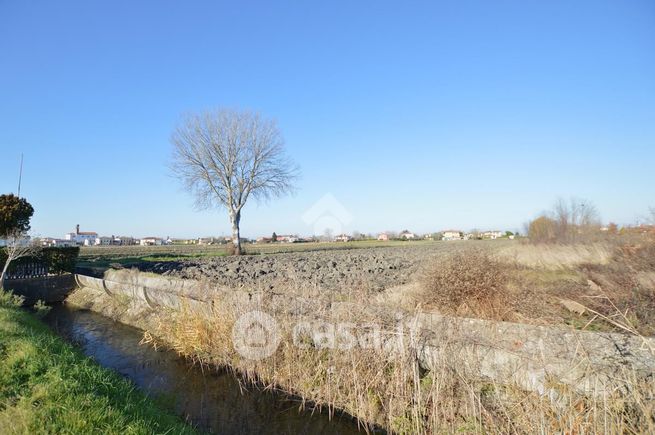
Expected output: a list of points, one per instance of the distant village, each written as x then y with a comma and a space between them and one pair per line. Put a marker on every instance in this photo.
91, 238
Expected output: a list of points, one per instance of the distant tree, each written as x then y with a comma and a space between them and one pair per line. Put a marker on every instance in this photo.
226, 157
543, 230
274, 237
576, 217
508, 233
15, 216
568, 222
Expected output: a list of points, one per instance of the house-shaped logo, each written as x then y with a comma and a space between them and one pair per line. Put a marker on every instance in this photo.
327, 216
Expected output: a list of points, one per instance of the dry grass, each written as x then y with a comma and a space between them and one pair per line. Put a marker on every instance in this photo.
556, 257
392, 391
469, 283
532, 284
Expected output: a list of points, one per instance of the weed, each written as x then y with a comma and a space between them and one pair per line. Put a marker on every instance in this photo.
41, 309
9, 299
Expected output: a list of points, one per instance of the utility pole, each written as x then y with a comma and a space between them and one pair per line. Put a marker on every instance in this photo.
20, 174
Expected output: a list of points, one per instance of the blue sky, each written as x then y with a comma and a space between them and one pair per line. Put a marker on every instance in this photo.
419, 115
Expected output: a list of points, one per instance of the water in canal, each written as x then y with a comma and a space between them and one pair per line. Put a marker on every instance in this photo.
212, 401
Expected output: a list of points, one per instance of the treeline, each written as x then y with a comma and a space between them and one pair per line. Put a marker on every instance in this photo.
568, 222
575, 220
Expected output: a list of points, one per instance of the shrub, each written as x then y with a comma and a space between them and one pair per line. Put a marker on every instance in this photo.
542, 230
9, 299
467, 283
61, 260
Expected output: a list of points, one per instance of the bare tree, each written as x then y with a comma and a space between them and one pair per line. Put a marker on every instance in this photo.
225, 157
18, 246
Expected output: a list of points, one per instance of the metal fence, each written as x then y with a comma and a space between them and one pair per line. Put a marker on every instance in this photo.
28, 270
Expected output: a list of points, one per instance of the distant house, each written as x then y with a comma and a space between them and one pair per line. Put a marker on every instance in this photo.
184, 241
407, 235
103, 241
81, 237
49, 242
24, 241
343, 238
492, 235
125, 241
287, 238
452, 235
383, 237
209, 241
151, 241
264, 240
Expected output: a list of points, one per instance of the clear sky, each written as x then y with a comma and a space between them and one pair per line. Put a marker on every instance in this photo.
418, 115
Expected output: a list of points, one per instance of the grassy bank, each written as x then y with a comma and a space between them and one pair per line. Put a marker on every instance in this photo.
48, 386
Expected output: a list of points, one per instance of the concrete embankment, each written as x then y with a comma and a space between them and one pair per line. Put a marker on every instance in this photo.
531, 357
49, 289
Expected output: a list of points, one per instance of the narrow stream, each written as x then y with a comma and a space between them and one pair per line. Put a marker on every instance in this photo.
211, 400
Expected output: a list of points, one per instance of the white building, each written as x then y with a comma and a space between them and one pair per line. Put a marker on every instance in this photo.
49, 242
103, 241
151, 241
24, 241
125, 241
407, 235
452, 235
343, 238
493, 235
81, 237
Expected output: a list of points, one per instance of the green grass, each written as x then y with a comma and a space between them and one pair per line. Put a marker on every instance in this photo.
128, 259
48, 386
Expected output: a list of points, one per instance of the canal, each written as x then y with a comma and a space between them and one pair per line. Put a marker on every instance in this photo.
213, 401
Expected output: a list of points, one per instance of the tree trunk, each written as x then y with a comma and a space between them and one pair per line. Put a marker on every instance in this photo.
235, 218
4, 273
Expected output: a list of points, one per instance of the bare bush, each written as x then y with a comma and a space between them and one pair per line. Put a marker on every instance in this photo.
468, 283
